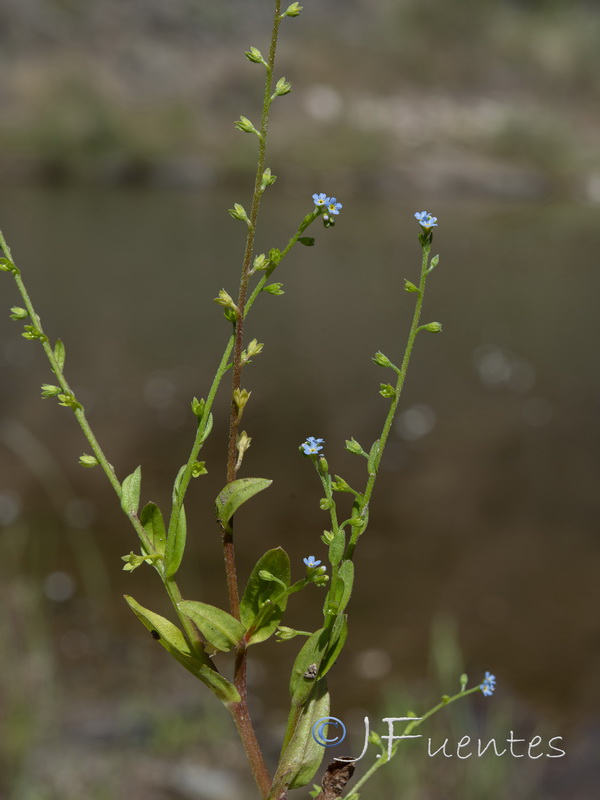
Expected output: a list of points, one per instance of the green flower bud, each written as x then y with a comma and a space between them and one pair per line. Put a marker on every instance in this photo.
198, 469
243, 443
433, 264
274, 288
241, 397
69, 401
292, 11
353, 447
327, 537
255, 56
409, 286
31, 332
432, 327
340, 485
282, 87
268, 179
260, 262
386, 390
275, 256
325, 504
254, 348
224, 299
198, 407
464, 679
88, 461
19, 313
50, 391
133, 561
284, 633
239, 212
243, 124
6, 265
381, 360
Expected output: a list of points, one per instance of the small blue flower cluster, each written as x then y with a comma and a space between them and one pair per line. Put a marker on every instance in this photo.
488, 685
331, 206
426, 220
312, 446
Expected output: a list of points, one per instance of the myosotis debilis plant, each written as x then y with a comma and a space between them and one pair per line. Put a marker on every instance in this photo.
255, 615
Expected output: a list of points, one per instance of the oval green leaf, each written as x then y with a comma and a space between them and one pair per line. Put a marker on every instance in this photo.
217, 626
175, 541
304, 753
235, 494
130, 492
173, 640
153, 523
263, 590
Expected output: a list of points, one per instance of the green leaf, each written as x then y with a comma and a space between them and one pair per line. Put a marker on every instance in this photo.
207, 429
177, 485
175, 542
312, 652
261, 590
337, 547
339, 633
307, 241
153, 523
373, 453
217, 626
304, 753
173, 640
341, 590
59, 354
235, 494
130, 492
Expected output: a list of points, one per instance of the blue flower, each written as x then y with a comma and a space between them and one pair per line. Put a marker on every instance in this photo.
488, 685
321, 199
311, 562
425, 220
333, 206
312, 446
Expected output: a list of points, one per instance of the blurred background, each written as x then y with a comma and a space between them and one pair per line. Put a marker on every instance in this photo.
118, 161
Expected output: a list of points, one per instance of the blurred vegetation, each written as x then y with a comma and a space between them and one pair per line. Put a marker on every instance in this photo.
124, 91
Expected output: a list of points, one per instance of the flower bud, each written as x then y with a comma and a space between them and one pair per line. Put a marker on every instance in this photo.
268, 179
353, 447
198, 469
241, 397
19, 313
239, 212
409, 286
381, 360
260, 262
88, 461
432, 327
292, 11
386, 390
243, 124
255, 56
274, 288
50, 391
198, 407
224, 299
282, 87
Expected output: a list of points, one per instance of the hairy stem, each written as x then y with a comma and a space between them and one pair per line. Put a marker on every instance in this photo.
387, 426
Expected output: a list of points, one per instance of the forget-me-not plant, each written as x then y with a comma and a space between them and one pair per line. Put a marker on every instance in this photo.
198, 630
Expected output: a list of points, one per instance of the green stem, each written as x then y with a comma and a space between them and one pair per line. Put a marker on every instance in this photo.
192, 634
410, 727
412, 335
